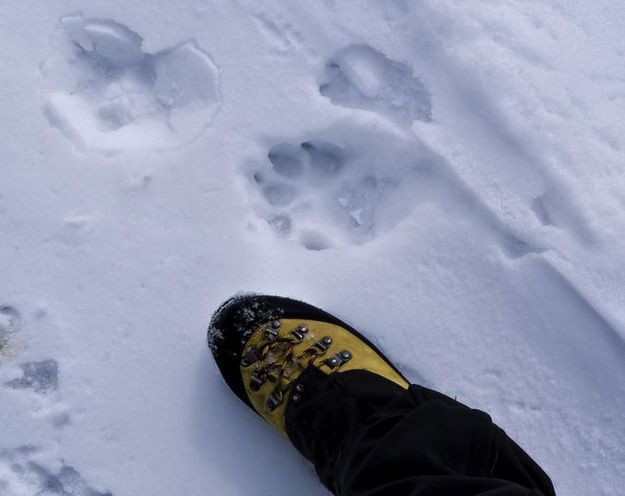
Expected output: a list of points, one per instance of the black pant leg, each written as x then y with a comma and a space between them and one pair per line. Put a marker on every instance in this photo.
369, 437
424, 443
511, 462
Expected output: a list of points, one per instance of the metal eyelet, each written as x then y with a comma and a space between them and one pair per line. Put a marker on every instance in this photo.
252, 356
275, 400
271, 333
256, 381
323, 345
338, 359
298, 333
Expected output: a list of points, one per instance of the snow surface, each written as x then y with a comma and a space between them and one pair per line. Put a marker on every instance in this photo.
449, 176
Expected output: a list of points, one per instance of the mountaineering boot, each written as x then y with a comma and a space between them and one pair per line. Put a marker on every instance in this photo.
264, 345
312, 376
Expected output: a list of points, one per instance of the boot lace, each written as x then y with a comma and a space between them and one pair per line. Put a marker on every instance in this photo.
274, 360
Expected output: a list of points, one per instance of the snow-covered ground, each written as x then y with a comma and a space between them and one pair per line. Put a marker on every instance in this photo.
447, 175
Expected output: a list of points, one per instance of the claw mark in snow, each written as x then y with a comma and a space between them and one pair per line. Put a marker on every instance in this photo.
107, 94
542, 213
281, 34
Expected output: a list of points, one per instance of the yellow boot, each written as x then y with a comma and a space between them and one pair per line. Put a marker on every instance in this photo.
262, 344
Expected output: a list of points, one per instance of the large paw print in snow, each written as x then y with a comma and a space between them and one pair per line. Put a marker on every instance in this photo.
325, 193
360, 77
107, 94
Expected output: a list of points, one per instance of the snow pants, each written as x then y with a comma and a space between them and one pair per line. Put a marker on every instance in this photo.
366, 436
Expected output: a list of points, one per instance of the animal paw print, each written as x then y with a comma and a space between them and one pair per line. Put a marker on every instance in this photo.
300, 186
324, 195
22, 473
361, 77
107, 94
41, 377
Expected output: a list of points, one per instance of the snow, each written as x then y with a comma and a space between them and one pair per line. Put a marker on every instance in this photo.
448, 176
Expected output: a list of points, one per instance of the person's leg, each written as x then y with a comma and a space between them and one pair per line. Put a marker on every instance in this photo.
512, 463
367, 436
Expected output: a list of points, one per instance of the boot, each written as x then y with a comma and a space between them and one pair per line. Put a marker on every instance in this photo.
262, 345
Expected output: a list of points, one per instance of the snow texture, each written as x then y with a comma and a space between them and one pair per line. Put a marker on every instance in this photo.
448, 176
